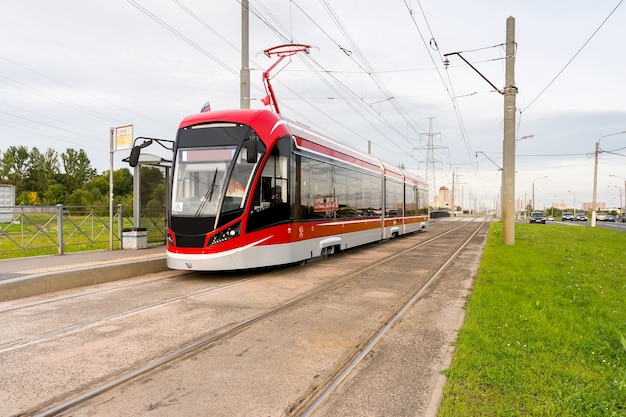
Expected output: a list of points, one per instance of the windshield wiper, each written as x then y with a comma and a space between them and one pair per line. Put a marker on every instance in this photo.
208, 196
212, 185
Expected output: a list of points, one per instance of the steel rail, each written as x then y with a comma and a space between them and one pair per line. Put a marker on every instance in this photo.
29, 304
53, 334
336, 382
203, 343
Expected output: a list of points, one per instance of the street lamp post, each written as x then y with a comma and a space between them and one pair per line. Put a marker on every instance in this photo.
621, 207
552, 205
594, 203
574, 194
620, 200
540, 178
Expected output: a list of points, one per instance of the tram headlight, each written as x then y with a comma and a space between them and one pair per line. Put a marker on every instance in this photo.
226, 234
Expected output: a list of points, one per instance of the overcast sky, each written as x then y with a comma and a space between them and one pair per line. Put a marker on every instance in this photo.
71, 69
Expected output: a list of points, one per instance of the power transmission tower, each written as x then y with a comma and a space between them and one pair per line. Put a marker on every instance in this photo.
430, 156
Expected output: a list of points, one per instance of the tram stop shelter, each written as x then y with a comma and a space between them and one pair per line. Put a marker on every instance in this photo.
136, 237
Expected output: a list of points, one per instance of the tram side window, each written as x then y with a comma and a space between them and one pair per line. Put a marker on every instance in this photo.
340, 189
324, 203
410, 196
422, 201
371, 202
355, 193
323, 190
302, 175
393, 199
270, 201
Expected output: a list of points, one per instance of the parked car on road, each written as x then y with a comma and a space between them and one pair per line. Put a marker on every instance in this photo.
537, 217
610, 218
567, 216
580, 217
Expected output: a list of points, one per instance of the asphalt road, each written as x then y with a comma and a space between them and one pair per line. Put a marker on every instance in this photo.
615, 226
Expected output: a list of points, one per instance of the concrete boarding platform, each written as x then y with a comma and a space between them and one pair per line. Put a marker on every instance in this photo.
24, 277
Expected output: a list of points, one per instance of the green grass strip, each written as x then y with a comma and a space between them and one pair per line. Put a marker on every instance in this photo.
545, 329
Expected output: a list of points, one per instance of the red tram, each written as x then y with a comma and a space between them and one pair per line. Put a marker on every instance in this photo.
253, 189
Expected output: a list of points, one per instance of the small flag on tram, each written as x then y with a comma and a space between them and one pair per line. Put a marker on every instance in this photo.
206, 107
266, 100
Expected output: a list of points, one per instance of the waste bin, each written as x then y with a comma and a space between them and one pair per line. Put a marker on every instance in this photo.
134, 238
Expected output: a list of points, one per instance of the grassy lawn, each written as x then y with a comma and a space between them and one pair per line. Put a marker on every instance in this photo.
545, 327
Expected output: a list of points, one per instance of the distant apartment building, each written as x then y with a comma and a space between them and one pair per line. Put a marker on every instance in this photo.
443, 199
600, 205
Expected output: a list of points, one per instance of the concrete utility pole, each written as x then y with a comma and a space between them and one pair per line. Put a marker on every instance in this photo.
509, 92
621, 207
112, 152
595, 186
594, 203
452, 199
508, 148
244, 92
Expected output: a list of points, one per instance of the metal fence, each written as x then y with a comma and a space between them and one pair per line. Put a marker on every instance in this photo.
31, 230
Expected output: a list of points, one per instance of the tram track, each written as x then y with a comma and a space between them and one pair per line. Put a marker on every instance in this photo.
314, 403
223, 333
50, 335
19, 304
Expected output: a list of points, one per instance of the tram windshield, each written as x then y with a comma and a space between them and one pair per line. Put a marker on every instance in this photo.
210, 180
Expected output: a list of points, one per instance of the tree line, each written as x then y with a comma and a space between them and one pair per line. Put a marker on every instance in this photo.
50, 178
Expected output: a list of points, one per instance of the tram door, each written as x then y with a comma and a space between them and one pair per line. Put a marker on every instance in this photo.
271, 196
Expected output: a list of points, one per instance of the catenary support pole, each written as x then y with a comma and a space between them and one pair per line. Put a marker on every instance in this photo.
245, 57
508, 162
595, 186
111, 133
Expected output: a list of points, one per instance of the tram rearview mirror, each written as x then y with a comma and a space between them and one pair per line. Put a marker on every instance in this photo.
252, 149
133, 159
